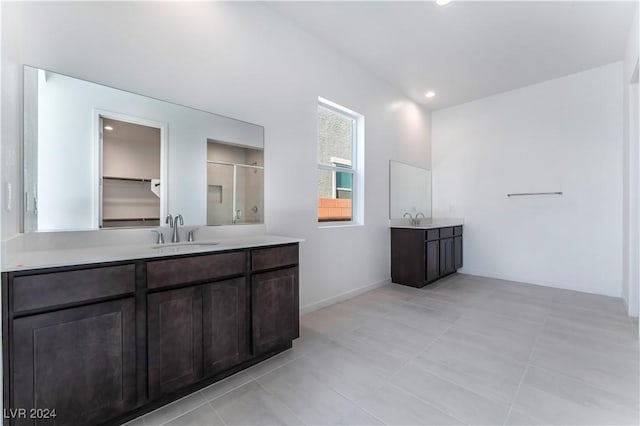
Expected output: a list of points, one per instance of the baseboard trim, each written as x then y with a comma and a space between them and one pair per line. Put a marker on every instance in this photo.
342, 296
505, 277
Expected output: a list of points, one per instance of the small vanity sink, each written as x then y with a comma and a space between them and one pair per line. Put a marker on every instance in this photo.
184, 246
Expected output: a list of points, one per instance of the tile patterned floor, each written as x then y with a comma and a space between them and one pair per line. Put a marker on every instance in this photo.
466, 350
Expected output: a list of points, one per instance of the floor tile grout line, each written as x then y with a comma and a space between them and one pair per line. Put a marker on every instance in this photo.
576, 379
420, 352
561, 373
179, 415
207, 401
430, 404
224, 422
359, 406
282, 401
449, 380
524, 373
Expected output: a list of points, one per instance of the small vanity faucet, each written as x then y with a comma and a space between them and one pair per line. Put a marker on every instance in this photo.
413, 221
417, 218
159, 237
173, 222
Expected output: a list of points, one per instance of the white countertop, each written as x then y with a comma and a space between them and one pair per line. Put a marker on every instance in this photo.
36, 259
429, 223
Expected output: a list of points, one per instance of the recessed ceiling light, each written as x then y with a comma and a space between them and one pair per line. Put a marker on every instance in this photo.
442, 2
430, 94
108, 128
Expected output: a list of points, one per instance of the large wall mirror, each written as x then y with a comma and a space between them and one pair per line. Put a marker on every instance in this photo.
98, 157
409, 190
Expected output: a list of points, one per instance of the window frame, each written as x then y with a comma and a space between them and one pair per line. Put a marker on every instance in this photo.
341, 165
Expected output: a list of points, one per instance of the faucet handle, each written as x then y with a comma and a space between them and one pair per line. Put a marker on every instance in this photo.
190, 235
160, 237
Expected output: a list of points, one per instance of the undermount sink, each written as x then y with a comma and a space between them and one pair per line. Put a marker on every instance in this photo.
185, 245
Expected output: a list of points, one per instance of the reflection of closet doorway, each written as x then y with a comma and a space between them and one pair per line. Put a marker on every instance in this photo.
131, 183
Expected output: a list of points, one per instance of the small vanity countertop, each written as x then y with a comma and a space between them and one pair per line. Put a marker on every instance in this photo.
429, 223
38, 259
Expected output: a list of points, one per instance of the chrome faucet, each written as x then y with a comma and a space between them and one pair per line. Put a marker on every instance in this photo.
159, 237
415, 221
410, 218
175, 238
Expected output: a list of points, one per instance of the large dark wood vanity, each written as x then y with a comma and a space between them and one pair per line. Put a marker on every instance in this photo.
104, 343
420, 256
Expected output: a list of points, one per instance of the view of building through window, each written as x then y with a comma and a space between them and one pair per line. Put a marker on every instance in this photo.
336, 162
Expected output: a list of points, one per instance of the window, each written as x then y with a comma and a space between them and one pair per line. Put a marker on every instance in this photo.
340, 172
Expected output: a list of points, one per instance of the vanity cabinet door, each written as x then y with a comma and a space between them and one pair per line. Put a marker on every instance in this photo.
274, 319
174, 339
432, 260
225, 329
457, 252
80, 362
446, 256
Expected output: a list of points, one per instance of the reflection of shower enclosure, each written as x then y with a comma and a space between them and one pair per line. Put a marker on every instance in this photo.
235, 182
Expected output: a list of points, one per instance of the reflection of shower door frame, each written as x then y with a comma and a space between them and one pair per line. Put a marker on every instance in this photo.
98, 115
234, 212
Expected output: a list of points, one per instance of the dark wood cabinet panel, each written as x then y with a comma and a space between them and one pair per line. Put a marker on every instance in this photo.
174, 339
274, 319
432, 268
446, 256
433, 234
58, 288
101, 342
419, 256
446, 232
407, 256
163, 273
457, 252
225, 326
274, 257
79, 361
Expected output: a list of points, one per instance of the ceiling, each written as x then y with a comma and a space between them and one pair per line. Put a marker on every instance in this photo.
130, 132
468, 50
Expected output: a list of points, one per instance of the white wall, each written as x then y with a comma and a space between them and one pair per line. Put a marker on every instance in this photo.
631, 175
244, 61
560, 135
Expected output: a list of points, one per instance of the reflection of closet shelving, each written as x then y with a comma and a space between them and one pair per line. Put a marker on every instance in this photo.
129, 201
141, 180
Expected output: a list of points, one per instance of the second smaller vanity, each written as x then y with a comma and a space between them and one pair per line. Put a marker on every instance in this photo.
423, 254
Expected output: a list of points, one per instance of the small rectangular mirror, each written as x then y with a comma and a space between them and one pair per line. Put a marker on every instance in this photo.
409, 190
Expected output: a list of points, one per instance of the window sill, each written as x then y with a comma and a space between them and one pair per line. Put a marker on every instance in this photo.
324, 225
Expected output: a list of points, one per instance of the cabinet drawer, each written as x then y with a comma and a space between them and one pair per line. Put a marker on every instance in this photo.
58, 288
457, 230
164, 273
446, 232
433, 234
274, 257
